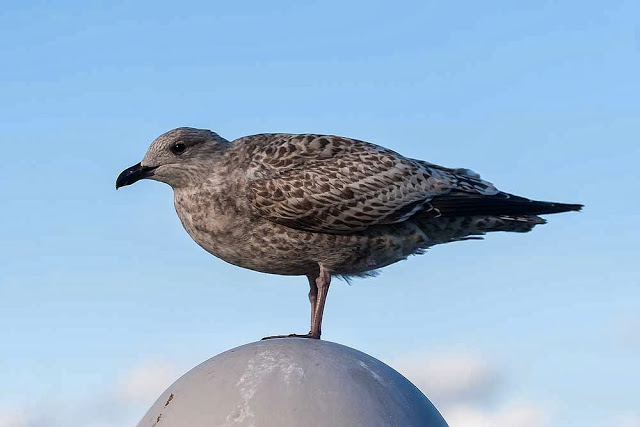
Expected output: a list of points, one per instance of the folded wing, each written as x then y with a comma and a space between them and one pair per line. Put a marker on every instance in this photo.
338, 185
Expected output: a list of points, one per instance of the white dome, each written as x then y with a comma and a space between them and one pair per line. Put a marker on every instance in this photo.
292, 382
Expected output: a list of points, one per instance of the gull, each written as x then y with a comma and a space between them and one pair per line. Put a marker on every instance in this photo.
322, 205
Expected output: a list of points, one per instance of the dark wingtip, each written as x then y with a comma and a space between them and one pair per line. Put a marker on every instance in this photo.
566, 207
544, 208
498, 204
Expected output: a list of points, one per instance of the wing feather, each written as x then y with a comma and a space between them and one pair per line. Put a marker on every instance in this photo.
338, 185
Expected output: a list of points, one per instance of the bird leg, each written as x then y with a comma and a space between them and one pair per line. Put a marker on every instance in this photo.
322, 283
318, 289
313, 294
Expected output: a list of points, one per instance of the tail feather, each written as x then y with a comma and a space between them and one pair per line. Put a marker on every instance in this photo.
465, 204
455, 228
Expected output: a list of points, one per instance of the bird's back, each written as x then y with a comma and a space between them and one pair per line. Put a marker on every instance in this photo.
333, 184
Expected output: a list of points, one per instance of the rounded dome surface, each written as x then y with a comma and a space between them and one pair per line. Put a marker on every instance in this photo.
292, 382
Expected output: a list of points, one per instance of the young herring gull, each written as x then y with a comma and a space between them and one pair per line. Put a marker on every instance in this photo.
320, 205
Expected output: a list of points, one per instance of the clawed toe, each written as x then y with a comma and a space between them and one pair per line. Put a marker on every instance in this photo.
308, 335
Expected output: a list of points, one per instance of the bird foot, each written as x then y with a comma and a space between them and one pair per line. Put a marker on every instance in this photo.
308, 335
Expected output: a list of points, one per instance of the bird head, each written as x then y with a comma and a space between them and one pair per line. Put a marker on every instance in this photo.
175, 156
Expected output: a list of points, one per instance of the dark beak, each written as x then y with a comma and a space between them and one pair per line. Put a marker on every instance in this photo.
134, 174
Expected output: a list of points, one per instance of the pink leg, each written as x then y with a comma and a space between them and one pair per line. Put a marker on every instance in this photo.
318, 289
322, 282
313, 294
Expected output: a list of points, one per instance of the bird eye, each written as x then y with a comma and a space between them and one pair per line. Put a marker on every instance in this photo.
178, 148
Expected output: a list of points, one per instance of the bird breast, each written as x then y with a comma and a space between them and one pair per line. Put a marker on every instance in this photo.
222, 223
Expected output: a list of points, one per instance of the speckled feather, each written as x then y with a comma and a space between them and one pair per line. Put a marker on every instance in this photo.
288, 204
333, 184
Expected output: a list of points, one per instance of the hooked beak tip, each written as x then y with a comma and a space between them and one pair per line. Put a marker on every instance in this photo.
133, 174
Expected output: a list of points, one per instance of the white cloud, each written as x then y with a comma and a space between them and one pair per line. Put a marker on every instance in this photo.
464, 387
511, 415
625, 329
626, 420
451, 378
124, 404
145, 382
13, 418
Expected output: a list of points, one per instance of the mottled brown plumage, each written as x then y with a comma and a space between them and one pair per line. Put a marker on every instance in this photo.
319, 205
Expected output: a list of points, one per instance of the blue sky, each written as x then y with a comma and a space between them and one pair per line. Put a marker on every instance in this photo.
103, 293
